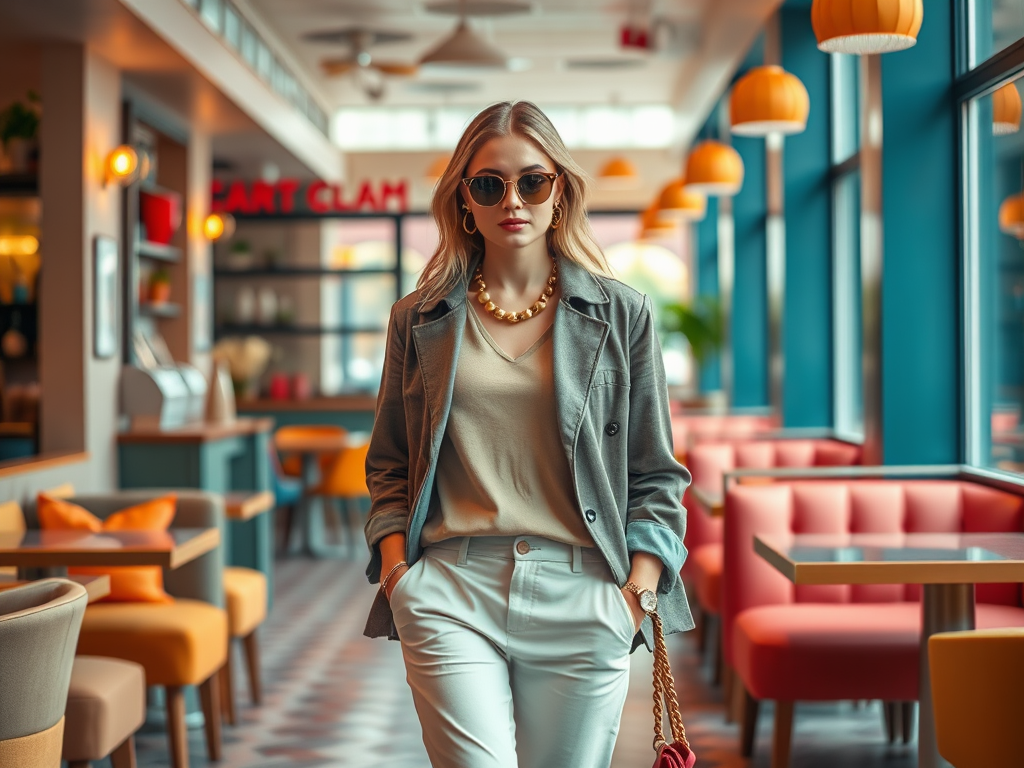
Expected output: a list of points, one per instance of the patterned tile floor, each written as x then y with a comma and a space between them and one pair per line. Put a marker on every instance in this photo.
335, 698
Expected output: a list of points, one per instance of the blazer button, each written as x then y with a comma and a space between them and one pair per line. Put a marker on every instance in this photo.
591, 515
611, 428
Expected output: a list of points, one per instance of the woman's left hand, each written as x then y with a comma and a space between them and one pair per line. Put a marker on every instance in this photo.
634, 605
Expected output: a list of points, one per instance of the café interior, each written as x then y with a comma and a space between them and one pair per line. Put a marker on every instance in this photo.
207, 210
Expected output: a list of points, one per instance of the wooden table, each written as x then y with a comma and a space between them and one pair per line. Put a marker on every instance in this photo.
59, 549
96, 587
947, 564
245, 505
311, 448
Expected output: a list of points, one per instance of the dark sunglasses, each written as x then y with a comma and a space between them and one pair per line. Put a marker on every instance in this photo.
532, 188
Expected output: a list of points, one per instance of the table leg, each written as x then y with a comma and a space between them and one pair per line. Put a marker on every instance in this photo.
946, 608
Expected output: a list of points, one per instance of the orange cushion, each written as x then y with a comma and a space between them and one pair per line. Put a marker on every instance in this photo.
707, 575
141, 584
178, 643
245, 591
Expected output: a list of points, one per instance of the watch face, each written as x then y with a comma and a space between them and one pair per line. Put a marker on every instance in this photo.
648, 601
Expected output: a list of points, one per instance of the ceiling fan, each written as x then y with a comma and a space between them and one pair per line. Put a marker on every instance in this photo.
359, 41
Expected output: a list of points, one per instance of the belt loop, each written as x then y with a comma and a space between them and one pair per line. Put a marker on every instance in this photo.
463, 550
577, 559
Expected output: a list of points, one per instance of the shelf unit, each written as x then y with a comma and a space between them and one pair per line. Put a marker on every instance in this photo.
158, 251
142, 257
19, 438
19, 185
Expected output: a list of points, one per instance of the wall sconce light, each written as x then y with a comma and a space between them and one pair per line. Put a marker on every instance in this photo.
122, 165
18, 245
218, 225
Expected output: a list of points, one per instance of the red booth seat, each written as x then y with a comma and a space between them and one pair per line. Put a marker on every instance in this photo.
790, 643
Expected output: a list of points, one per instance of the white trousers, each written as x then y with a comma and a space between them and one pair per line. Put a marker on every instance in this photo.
517, 652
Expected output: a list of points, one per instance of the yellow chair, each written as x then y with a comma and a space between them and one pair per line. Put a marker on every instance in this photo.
344, 479
12, 520
245, 592
977, 680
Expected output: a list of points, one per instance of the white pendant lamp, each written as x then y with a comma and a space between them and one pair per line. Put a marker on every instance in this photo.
465, 48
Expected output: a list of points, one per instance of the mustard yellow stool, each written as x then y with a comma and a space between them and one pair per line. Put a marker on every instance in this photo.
245, 592
977, 684
344, 480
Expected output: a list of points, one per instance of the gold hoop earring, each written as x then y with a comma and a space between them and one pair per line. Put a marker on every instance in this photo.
556, 216
466, 216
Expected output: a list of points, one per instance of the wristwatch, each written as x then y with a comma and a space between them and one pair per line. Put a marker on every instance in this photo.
648, 599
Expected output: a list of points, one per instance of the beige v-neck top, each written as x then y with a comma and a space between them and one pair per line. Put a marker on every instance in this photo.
502, 470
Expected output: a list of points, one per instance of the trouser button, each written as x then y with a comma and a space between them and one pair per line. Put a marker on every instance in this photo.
523, 547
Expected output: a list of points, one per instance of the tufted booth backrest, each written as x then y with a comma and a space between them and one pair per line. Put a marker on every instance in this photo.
708, 462
692, 429
851, 506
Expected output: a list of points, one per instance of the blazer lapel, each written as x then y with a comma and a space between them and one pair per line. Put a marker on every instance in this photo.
578, 342
437, 351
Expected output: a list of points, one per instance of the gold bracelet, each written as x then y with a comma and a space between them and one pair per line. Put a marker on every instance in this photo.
386, 579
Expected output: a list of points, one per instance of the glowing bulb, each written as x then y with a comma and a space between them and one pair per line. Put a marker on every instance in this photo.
18, 245
122, 165
218, 225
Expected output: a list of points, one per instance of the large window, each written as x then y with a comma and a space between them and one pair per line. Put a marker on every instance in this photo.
994, 278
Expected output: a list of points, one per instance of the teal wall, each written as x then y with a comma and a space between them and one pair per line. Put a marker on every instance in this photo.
749, 322
706, 257
921, 329
807, 330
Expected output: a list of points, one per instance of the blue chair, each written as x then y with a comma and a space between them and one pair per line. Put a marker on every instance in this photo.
287, 493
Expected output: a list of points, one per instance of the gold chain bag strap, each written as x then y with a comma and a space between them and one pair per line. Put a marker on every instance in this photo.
677, 754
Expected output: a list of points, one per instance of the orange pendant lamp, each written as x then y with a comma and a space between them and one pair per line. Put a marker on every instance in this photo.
1006, 108
676, 203
653, 227
768, 100
714, 168
866, 26
1011, 216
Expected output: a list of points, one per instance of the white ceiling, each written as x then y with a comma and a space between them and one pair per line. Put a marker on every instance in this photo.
702, 43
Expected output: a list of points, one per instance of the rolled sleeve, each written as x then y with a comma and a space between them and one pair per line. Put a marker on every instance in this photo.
656, 518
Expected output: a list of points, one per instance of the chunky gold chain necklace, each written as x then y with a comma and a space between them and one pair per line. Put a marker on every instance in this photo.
514, 317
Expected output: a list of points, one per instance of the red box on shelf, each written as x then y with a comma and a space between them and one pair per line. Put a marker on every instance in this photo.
160, 213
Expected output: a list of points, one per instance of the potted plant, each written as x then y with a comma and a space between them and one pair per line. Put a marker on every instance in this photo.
160, 286
702, 324
19, 131
241, 255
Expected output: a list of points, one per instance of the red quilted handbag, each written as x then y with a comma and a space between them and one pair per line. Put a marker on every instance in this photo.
677, 754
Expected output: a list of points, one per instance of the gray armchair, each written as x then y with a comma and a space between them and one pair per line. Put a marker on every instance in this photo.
39, 626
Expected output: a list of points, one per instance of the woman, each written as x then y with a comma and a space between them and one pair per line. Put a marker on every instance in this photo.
524, 497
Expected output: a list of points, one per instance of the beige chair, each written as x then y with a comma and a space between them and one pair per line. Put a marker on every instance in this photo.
106, 705
39, 625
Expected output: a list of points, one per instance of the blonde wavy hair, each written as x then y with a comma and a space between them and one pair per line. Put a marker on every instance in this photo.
574, 239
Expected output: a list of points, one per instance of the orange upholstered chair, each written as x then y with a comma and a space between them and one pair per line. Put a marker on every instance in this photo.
291, 463
344, 481
245, 598
791, 643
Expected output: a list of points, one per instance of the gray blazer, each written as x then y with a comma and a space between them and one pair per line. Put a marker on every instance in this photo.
613, 418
